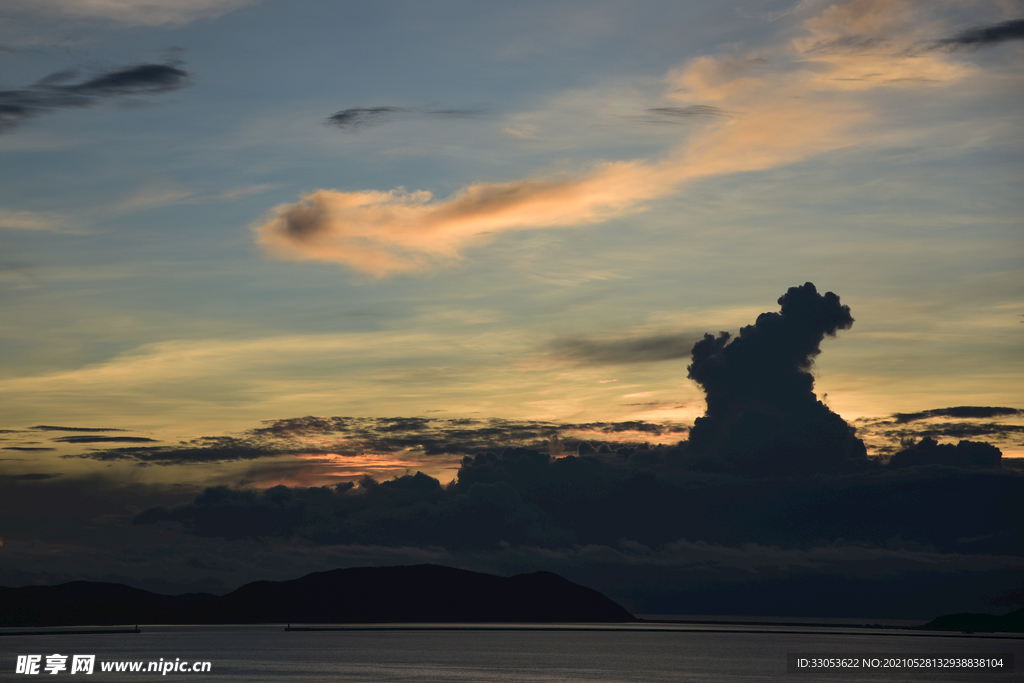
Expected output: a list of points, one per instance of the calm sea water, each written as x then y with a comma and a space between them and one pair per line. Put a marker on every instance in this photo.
600, 655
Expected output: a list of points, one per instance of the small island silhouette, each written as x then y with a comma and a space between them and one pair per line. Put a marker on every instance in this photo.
970, 622
423, 593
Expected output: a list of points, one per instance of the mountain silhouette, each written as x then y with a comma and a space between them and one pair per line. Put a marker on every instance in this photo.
408, 594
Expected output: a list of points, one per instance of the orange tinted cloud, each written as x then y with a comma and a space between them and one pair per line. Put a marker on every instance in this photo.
785, 104
381, 233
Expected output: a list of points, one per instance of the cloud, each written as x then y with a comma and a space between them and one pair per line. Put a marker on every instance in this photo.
632, 350
382, 233
206, 449
152, 197
682, 114
412, 508
960, 430
959, 411
457, 113
965, 454
365, 117
786, 103
344, 443
636, 520
30, 220
357, 117
54, 93
983, 36
54, 428
887, 435
642, 496
762, 414
92, 438
31, 476
133, 12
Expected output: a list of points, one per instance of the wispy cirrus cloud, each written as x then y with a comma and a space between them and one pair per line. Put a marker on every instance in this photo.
787, 102
56, 92
984, 36
96, 438
132, 12
359, 117
640, 349
668, 115
57, 428
958, 411
34, 220
355, 118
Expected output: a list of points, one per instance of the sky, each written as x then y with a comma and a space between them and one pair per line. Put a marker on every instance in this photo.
256, 243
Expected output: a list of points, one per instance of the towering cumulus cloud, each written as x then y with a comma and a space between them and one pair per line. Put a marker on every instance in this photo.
762, 414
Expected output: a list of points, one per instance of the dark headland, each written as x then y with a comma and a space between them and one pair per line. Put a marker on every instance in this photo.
979, 623
413, 594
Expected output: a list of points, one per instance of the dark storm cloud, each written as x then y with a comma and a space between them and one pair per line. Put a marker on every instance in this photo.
634, 350
964, 454
772, 467
355, 118
28, 448
959, 411
411, 509
640, 496
54, 92
762, 413
983, 36
93, 438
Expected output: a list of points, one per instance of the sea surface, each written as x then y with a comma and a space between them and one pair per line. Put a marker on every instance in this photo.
646, 653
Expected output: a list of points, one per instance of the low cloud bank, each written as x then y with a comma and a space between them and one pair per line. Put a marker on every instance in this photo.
524, 497
767, 464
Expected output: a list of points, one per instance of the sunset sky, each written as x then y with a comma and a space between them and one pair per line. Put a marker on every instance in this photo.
218, 217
